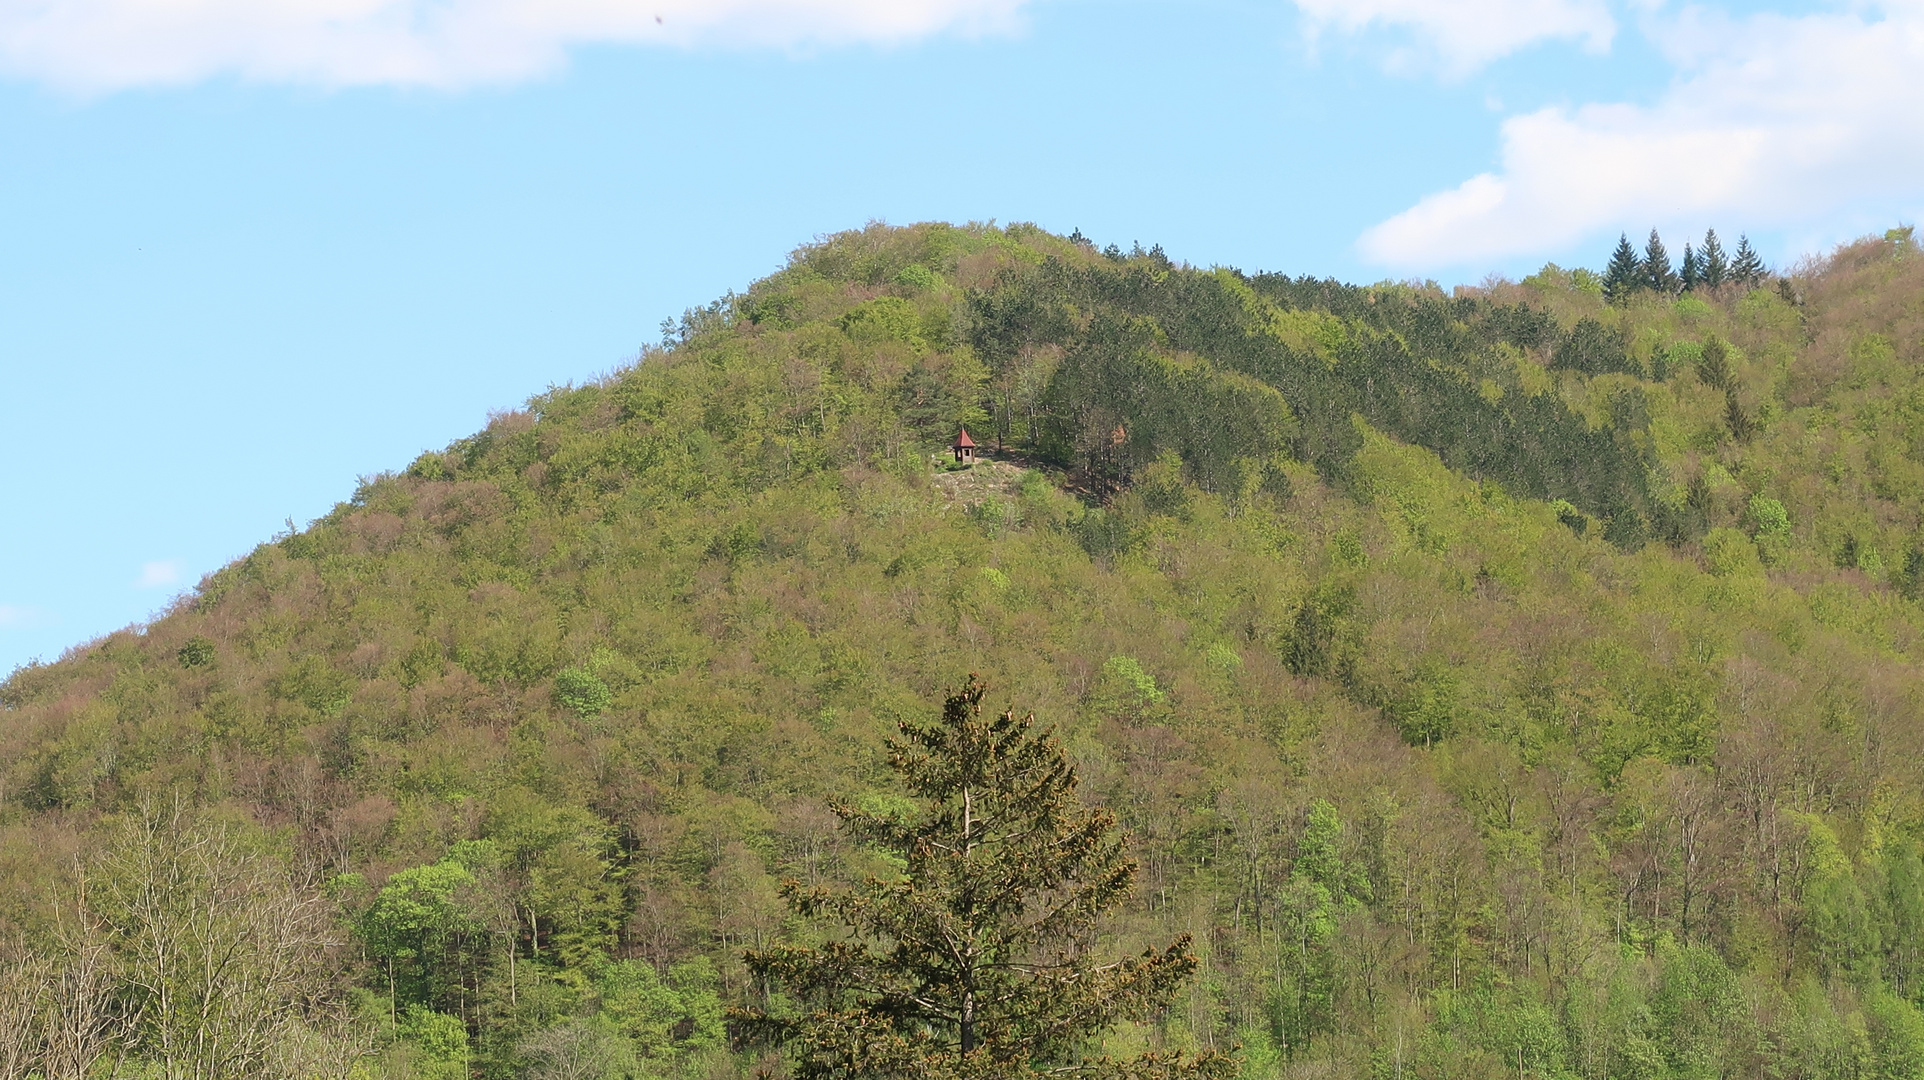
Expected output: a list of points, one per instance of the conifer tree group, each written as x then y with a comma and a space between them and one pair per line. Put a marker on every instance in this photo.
1704, 266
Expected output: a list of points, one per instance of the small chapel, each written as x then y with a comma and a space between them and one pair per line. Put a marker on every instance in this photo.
964, 448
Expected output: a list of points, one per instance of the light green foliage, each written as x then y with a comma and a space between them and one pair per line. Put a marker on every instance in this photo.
1769, 517
1322, 889
1347, 549
664, 1020
1680, 357
1471, 583
313, 682
423, 931
1224, 659
1693, 1008
885, 319
1498, 1033
1772, 524
440, 1043
1123, 687
916, 276
560, 855
582, 692
1425, 707
1728, 552
1896, 1035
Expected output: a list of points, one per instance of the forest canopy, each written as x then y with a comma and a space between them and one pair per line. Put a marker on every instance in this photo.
1519, 679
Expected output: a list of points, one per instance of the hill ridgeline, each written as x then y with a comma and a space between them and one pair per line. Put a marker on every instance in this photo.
1518, 681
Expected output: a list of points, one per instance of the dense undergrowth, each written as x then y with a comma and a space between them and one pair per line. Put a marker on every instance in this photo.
1501, 683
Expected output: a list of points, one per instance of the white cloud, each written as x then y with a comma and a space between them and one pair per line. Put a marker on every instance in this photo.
155, 575
103, 45
1464, 35
14, 615
1772, 121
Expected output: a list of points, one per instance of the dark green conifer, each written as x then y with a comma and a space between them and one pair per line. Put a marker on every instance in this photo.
975, 961
1713, 366
1910, 579
1747, 269
1738, 418
1692, 273
1657, 272
1713, 265
1624, 275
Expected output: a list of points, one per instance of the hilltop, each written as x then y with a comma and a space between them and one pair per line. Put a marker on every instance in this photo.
1493, 682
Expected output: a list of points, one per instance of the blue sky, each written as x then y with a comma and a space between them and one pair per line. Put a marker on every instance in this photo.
253, 249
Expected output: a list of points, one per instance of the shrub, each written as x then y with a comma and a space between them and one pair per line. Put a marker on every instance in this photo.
197, 652
582, 692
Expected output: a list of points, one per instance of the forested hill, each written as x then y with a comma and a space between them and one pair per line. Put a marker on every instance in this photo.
1505, 683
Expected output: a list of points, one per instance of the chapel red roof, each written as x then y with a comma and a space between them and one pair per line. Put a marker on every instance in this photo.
963, 440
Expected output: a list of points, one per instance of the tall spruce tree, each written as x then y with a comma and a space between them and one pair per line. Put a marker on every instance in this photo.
1692, 272
976, 961
1747, 269
1624, 275
1657, 272
1714, 265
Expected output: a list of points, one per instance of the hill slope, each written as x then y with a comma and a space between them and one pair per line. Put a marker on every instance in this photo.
1578, 644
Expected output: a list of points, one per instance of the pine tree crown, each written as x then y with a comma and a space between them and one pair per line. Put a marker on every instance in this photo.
976, 961
1624, 275
1657, 271
1714, 266
1747, 268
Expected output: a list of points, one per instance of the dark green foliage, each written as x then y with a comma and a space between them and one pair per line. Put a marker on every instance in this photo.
1625, 274
1104, 534
927, 407
1658, 276
196, 652
1690, 273
1910, 578
1311, 646
1714, 265
1595, 349
1571, 517
974, 960
1626, 528
1118, 402
1747, 269
1445, 777
1714, 368
1737, 417
1850, 553
1135, 383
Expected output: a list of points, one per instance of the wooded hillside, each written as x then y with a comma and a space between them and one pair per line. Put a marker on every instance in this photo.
1498, 683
